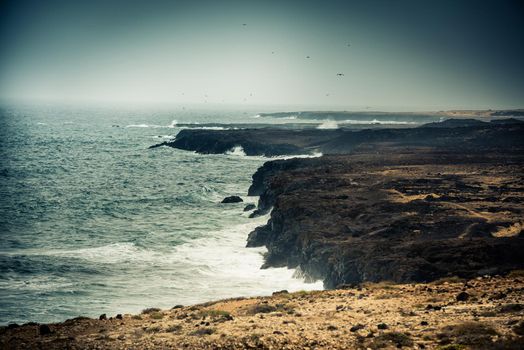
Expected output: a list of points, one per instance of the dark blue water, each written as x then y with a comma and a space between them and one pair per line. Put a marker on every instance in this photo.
92, 221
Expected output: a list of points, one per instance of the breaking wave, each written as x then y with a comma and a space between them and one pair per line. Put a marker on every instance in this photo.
236, 151
376, 122
172, 125
328, 124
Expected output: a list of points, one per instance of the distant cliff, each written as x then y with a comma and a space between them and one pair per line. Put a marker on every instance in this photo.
468, 134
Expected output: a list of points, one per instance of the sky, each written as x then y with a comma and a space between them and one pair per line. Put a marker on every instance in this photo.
392, 54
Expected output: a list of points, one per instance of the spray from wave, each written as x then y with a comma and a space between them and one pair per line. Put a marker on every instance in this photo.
236, 151
328, 124
377, 122
172, 125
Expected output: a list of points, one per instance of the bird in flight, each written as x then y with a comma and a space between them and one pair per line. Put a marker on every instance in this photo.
340, 74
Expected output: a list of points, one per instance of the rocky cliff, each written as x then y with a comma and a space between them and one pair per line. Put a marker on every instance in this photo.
274, 141
402, 214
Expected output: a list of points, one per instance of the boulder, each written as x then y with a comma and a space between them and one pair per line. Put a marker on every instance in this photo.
44, 329
249, 207
232, 199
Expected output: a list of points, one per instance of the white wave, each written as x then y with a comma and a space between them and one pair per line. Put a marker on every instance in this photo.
313, 155
115, 253
328, 124
231, 265
213, 267
208, 128
172, 125
140, 126
236, 151
39, 123
375, 121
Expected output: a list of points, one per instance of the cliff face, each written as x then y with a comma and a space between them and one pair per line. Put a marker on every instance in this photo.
274, 142
269, 142
401, 215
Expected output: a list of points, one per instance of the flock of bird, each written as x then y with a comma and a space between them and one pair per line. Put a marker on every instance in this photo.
308, 57
272, 52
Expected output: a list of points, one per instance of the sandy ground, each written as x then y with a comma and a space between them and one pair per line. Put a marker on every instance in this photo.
483, 313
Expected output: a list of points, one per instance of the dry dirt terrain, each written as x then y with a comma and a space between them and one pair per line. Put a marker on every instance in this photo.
482, 313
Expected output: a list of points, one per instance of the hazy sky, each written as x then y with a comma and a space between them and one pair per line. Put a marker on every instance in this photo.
402, 54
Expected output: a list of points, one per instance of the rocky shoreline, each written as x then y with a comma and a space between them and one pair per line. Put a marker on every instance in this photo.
404, 205
403, 215
417, 234
275, 141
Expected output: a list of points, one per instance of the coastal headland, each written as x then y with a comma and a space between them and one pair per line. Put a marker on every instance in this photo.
417, 234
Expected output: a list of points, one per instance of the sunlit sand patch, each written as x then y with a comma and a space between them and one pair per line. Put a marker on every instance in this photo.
510, 231
399, 197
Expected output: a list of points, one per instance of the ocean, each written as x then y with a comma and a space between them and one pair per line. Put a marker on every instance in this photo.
93, 222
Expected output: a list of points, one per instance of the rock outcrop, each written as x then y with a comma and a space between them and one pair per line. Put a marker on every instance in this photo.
232, 199
471, 135
400, 214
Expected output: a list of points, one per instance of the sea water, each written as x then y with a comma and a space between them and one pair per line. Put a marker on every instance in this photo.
92, 221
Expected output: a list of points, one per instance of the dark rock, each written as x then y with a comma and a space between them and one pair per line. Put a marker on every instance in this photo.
507, 121
178, 306
357, 327
498, 296
232, 199
511, 308
30, 324
253, 141
44, 329
433, 307
118, 316
455, 123
519, 328
280, 292
159, 145
424, 323
13, 325
462, 296
249, 207
382, 326
102, 317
